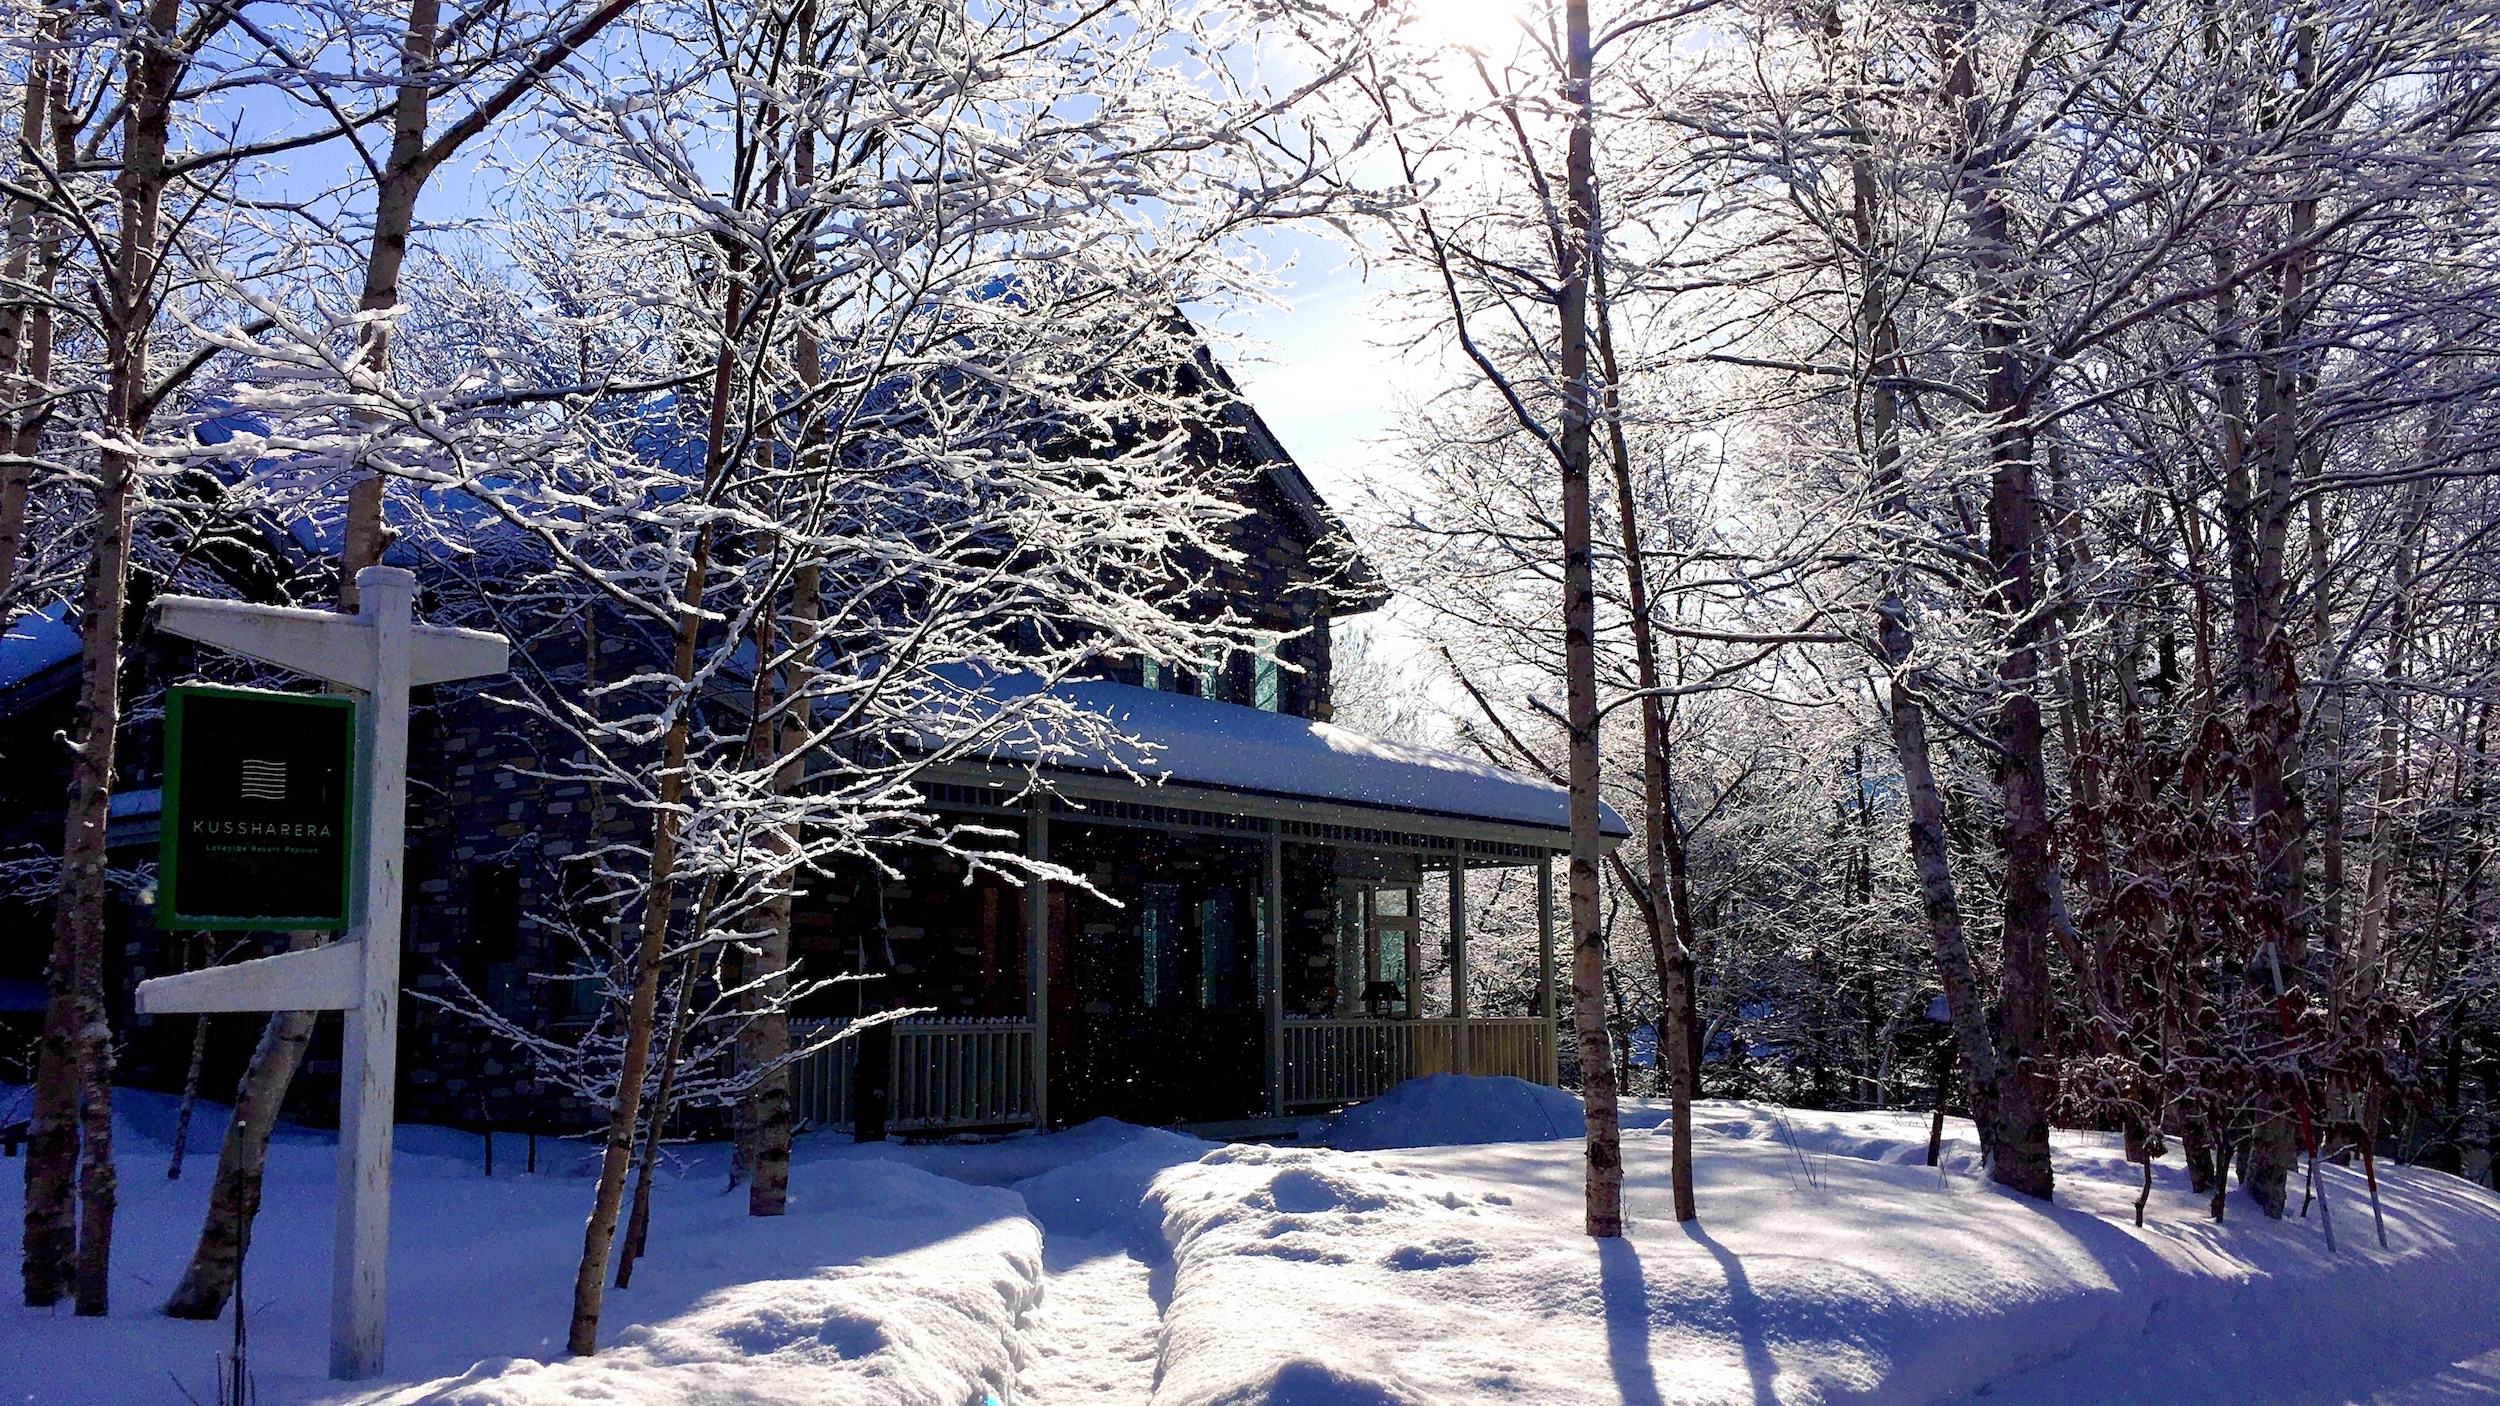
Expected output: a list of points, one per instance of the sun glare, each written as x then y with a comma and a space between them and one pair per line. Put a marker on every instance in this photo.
1491, 27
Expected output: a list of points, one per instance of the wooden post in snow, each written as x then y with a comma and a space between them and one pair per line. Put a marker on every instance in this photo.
1458, 965
1037, 957
381, 653
1545, 969
1272, 961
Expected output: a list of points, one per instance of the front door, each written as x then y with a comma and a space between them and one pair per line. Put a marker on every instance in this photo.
1156, 1008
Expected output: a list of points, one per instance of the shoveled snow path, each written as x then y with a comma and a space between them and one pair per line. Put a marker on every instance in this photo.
1097, 1335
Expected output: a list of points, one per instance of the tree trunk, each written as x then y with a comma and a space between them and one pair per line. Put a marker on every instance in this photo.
2327, 747
234, 1197
1669, 943
34, 260
190, 1097
2027, 1079
599, 1234
1895, 647
767, 1036
638, 1225
266, 1081
2377, 896
1598, 1090
74, 1077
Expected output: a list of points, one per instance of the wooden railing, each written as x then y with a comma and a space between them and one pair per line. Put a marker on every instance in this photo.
965, 1073
1349, 1060
979, 1073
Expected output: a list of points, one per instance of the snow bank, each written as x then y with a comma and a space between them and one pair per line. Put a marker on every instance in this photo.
1102, 1196
1118, 1263
1831, 1265
884, 1283
1450, 1110
934, 1325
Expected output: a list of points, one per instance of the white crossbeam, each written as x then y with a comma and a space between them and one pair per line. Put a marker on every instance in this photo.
328, 978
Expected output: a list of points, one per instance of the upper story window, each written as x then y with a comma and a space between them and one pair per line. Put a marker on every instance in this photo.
1257, 681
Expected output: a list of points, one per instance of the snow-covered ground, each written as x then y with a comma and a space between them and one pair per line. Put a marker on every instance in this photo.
1117, 1264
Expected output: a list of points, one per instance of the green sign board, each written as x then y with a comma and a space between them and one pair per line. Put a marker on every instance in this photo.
257, 810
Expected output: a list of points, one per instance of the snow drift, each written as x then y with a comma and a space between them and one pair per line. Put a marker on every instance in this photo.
1449, 1110
935, 1325
1121, 1264
1831, 1265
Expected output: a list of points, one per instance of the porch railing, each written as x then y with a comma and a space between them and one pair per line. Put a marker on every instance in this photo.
1349, 1060
961, 1073
972, 1073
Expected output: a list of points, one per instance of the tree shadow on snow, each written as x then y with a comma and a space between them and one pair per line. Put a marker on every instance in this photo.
1624, 1289
1744, 1310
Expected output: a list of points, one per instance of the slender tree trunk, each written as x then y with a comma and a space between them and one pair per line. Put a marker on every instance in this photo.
599, 1235
26, 320
190, 1097
2378, 894
234, 1196
2027, 1079
2327, 748
244, 1154
1669, 949
1896, 648
638, 1225
768, 1104
768, 1193
2278, 818
1598, 1087
67, 1248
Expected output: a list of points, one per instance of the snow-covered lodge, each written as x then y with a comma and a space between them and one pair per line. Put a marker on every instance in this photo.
1265, 955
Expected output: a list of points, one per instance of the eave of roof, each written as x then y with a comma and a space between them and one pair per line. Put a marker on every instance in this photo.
1184, 740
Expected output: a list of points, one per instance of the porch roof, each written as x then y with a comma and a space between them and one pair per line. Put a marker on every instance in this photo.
1192, 741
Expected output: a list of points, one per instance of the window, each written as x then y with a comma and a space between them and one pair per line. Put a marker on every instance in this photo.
1150, 675
493, 959
494, 913
1159, 933
1267, 683
1219, 953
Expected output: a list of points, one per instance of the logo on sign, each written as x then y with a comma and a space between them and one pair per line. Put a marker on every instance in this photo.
264, 781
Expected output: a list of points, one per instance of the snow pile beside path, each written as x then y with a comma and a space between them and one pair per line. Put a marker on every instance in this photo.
1102, 1195
934, 1325
1831, 1265
883, 1284
1450, 1110
1897, 1138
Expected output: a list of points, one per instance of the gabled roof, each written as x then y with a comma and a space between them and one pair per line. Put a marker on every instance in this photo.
36, 652
1358, 588
1195, 741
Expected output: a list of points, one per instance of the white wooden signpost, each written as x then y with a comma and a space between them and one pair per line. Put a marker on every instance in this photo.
380, 653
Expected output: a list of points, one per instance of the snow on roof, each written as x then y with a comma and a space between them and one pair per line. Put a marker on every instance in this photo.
129, 805
1199, 742
34, 643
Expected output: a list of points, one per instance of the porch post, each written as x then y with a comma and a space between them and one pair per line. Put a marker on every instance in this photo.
1458, 963
1037, 957
1273, 940
1414, 937
1545, 968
